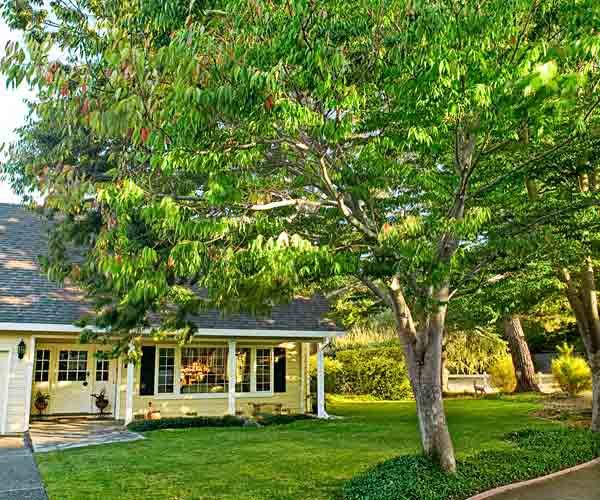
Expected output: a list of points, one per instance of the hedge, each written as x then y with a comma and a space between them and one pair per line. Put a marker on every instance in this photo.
185, 423
225, 421
380, 372
535, 453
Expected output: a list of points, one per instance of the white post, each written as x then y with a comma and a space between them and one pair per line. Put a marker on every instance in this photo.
117, 409
129, 390
29, 387
321, 413
232, 362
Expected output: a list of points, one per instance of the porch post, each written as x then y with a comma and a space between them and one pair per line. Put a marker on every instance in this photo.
117, 410
321, 413
232, 369
129, 390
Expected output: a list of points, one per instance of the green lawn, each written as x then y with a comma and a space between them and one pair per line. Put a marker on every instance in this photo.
303, 460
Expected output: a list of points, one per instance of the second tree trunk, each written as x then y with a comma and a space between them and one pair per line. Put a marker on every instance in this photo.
519, 351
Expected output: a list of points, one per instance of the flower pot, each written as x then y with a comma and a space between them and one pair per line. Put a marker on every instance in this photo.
101, 404
41, 406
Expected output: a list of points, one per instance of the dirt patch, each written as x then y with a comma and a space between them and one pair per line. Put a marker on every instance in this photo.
572, 410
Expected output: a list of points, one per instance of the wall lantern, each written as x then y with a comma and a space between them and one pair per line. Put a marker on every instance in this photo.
21, 348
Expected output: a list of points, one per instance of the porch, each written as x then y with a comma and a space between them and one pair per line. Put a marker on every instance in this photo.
231, 372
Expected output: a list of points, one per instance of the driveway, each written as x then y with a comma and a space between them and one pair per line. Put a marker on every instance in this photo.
61, 433
582, 484
19, 476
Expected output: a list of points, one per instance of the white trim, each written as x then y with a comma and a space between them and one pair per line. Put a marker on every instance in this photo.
266, 333
4, 412
32, 353
321, 413
118, 385
202, 332
232, 369
300, 350
129, 390
39, 327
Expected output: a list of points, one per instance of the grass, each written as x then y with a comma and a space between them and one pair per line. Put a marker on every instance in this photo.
303, 460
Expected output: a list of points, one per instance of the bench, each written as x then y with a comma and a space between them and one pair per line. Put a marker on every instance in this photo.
277, 408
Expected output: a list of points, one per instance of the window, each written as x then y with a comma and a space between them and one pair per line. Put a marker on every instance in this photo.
203, 370
242, 375
166, 370
72, 366
263, 370
102, 370
42, 365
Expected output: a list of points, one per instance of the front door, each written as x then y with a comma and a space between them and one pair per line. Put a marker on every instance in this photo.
72, 392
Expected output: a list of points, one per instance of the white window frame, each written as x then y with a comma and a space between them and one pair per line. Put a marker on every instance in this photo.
106, 370
271, 369
48, 371
176, 357
177, 394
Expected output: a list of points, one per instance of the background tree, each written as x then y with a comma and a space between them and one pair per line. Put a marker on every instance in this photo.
258, 149
520, 290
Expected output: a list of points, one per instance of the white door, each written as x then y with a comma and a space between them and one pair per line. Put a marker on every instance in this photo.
103, 379
72, 391
3, 389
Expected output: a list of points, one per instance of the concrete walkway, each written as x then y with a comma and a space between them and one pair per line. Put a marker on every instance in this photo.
19, 476
583, 484
63, 433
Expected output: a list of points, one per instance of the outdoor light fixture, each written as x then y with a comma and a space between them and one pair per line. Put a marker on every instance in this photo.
21, 349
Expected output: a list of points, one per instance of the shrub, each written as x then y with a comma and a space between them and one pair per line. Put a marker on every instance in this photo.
272, 419
263, 419
535, 453
185, 423
502, 374
571, 372
379, 372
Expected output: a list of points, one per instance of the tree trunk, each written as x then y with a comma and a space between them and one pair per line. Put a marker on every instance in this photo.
596, 399
435, 437
423, 351
521, 357
584, 303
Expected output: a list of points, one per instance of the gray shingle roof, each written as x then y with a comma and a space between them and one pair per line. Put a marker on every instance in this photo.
27, 296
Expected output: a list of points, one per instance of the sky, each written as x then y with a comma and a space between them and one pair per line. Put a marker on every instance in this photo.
13, 111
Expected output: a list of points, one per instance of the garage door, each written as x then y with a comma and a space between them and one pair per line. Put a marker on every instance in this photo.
3, 389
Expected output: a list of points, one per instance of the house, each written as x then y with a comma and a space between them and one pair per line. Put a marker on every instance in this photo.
231, 364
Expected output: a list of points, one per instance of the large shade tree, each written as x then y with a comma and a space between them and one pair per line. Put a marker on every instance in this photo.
255, 149
569, 239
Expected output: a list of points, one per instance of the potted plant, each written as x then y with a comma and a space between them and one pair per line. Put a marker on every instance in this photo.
41, 401
151, 413
101, 401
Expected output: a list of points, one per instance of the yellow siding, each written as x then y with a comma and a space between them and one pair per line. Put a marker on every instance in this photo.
21, 385
216, 405
19, 377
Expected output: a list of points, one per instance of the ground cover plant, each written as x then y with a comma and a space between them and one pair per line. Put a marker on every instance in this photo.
531, 454
305, 459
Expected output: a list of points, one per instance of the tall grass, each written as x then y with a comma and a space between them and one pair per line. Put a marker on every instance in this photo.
376, 333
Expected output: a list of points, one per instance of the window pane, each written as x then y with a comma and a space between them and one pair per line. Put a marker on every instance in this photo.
242, 376
263, 370
72, 365
102, 370
203, 369
166, 370
42, 365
